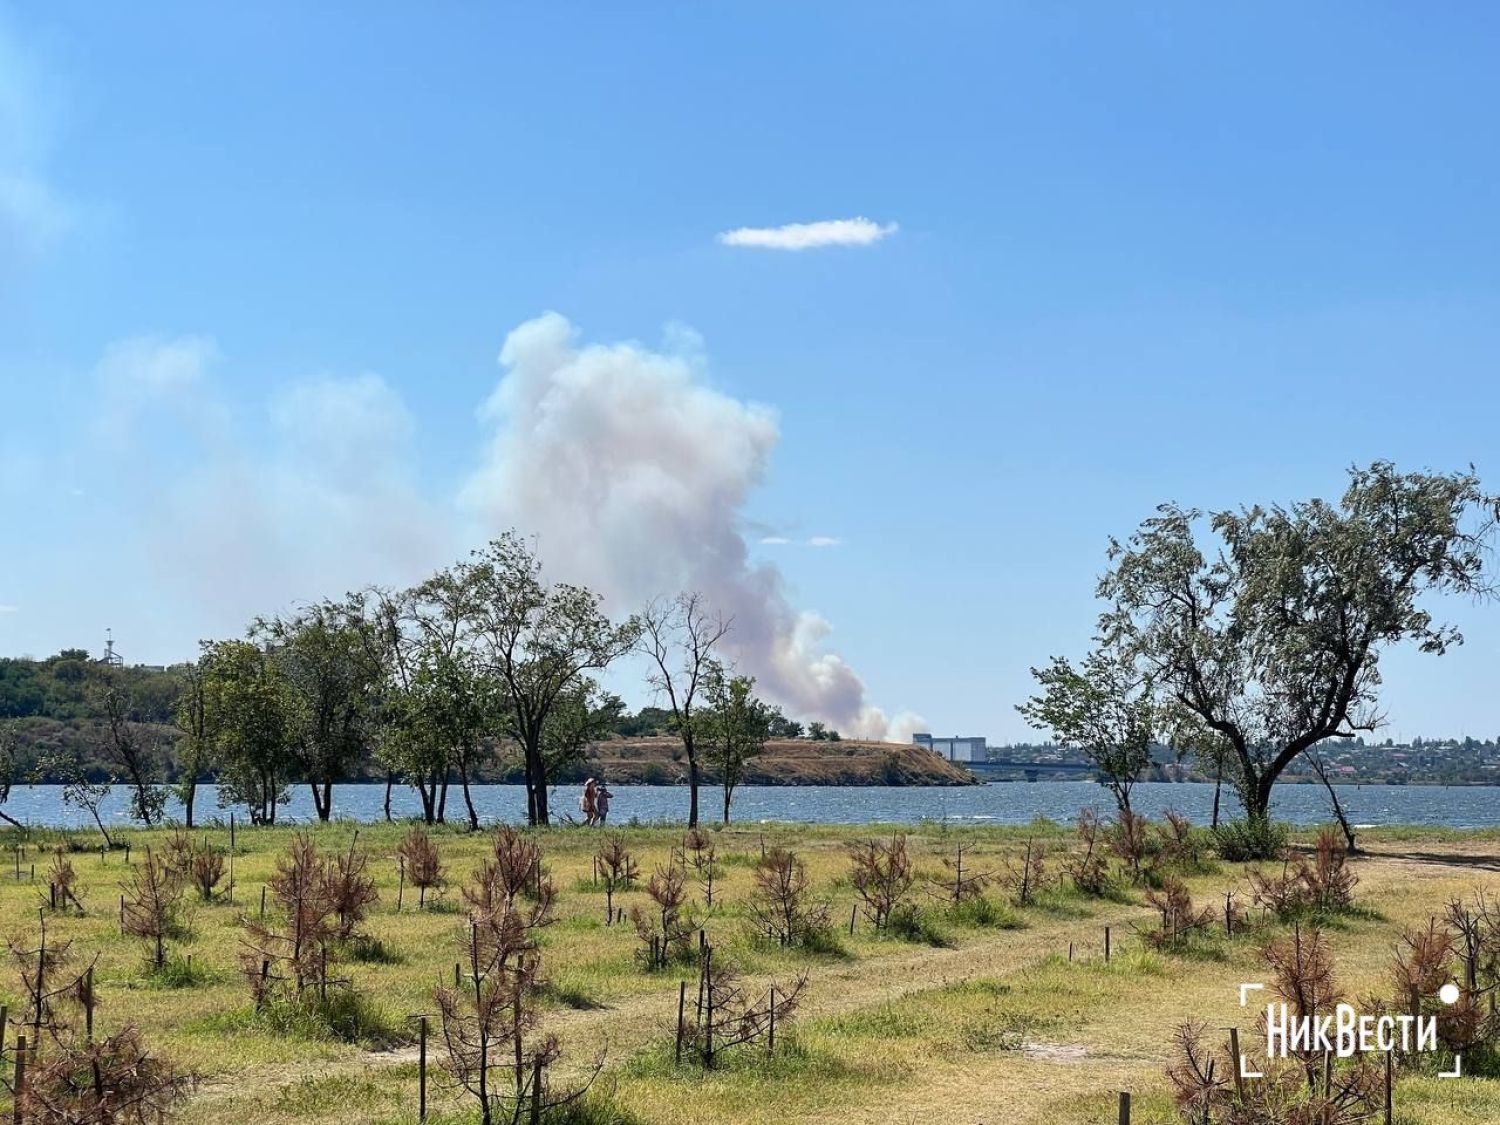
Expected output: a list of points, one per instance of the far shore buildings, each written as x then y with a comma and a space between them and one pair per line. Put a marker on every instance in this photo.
972, 749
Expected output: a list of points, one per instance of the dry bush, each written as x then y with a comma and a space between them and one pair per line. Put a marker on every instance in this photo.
1180, 920
205, 869
882, 877
1328, 881
1027, 876
349, 891
780, 906
1323, 886
1423, 964
729, 1014
62, 876
420, 863
292, 957
72, 1079
1129, 840
178, 852
1177, 844
959, 885
510, 876
489, 1025
1203, 1087
699, 853
1475, 926
1088, 870
152, 900
106, 1082
618, 871
666, 929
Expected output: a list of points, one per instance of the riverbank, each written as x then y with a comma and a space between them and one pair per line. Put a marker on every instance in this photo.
785, 761
985, 1020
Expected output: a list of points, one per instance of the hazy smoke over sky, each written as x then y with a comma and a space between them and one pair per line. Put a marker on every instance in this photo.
634, 475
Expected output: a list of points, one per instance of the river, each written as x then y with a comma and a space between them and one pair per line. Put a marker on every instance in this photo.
997, 803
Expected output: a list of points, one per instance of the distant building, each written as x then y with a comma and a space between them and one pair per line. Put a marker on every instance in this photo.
955, 749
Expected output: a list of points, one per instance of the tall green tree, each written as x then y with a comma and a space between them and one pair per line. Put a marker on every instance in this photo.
248, 704
679, 636
1103, 708
331, 682
195, 744
10, 769
1272, 636
735, 727
539, 641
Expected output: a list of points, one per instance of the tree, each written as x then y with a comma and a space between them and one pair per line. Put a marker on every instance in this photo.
582, 715
538, 640
195, 747
330, 680
734, 729
1103, 708
1209, 750
80, 791
1274, 639
247, 706
10, 771
114, 708
679, 636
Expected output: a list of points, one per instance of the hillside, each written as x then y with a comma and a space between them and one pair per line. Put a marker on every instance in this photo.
791, 761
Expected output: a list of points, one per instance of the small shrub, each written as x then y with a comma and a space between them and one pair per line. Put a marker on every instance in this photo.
205, 867
1237, 841
420, 863
1027, 877
912, 923
780, 906
666, 930
882, 877
985, 913
1088, 871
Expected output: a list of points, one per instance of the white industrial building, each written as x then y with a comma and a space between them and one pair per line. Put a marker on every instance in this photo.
955, 749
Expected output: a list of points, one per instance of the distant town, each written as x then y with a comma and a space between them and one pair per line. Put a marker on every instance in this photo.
1422, 761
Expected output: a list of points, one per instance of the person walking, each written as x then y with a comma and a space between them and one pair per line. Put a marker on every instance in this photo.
589, 802
601, 804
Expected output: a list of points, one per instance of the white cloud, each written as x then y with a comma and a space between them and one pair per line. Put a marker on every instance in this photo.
809, 236
774, 540
10, 609
824, 541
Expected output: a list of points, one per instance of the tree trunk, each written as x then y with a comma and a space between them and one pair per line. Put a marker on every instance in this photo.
187, 805
728, 796
390, 780
692, 757
1218, 788
463, 778
442, 806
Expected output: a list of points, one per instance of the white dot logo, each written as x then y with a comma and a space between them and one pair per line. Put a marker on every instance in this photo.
1448, 994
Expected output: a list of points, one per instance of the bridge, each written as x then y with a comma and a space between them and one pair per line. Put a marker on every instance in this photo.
1004, 769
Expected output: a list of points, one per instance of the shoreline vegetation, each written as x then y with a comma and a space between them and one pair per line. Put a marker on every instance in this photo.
939, 973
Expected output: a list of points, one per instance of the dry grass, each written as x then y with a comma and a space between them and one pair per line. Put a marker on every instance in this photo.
998, 1027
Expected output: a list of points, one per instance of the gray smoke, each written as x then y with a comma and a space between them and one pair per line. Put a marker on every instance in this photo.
634, 476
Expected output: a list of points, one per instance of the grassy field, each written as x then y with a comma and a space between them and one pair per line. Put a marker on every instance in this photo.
995, 1025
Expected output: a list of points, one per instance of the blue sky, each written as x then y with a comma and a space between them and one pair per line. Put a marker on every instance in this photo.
1192, 254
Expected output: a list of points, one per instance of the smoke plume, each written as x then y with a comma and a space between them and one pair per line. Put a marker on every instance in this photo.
634, 476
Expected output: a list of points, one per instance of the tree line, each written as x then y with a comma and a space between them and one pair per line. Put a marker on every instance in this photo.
485, 662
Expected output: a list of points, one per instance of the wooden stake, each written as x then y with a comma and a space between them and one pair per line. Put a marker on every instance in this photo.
1389, 1103
1124, 1108
853, 912
263, 902
20, 1086
681, 1006
771, 1033
1106, 961
401, 886
421, 1068
88, 1005
1234, 1052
